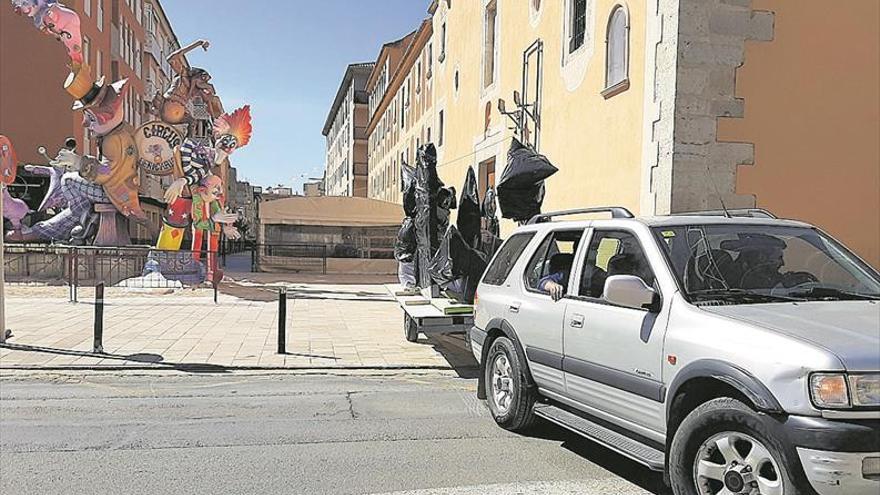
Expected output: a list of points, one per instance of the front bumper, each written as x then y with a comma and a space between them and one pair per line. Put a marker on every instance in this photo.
839, 473
838, 456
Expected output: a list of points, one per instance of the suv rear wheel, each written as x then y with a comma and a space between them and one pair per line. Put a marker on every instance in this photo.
510, 399
722, 447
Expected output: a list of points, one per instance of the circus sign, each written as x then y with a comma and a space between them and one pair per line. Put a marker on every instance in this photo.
155, 143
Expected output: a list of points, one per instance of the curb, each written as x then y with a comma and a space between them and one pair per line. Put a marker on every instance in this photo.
207, 368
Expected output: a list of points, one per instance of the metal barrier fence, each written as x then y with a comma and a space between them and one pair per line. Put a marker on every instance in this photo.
312, 258
129, 267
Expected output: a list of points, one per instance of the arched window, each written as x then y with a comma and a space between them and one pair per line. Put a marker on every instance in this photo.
617, 52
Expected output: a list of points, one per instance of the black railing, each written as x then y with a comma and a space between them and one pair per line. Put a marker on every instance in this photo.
128, 267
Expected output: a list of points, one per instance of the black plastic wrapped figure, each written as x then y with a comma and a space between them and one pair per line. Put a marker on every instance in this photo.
490, 231
468, 220
457, 267
428, 186
521, 187
408, 180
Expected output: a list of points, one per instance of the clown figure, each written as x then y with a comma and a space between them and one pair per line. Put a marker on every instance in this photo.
208, 218
231, 132
57, 20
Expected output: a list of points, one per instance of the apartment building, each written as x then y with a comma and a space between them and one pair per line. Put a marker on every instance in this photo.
122, 39
401, 109
314, 188
345, 131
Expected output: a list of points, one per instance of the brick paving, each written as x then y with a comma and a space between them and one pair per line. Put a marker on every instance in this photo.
328, 326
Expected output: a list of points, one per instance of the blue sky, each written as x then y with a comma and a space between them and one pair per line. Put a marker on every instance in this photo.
286, 59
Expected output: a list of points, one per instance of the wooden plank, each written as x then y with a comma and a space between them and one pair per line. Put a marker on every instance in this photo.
415, 302
450, 307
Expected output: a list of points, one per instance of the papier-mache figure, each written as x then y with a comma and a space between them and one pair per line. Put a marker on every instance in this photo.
90, 180
55, 19
231, 131
209, 219
8, 161
189, 83
14, 209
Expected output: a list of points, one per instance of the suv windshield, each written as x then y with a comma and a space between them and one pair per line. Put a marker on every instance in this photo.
761, 263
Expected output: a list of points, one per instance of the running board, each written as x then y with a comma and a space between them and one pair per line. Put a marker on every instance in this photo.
635, 450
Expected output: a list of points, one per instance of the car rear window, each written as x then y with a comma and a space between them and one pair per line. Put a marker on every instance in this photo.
500, 268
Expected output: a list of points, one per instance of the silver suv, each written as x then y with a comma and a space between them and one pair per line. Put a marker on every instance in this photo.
739, 354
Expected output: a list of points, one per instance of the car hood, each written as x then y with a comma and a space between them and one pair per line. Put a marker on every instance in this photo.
849, 329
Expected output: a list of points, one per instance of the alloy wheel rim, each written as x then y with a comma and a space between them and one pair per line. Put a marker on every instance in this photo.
733, 463
502, 389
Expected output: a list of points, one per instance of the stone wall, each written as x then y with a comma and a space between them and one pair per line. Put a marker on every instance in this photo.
711, 46
660, 75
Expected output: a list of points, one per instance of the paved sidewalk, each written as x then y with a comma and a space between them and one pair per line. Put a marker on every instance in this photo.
328, 326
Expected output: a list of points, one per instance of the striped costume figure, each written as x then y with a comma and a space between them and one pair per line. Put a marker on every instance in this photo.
196, 161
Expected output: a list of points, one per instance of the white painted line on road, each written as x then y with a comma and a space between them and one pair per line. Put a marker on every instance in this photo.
609, 486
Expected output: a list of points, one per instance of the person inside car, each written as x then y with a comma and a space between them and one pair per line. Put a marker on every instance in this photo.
760, 261
556, 281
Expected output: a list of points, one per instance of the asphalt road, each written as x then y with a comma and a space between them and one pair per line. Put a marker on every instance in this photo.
269, 434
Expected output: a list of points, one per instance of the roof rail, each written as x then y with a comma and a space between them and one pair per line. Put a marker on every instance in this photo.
736, 213
615, 211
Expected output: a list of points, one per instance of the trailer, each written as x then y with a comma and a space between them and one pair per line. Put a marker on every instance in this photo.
430, 315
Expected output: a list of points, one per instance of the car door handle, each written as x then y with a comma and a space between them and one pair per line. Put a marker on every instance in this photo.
514, 307
577, 321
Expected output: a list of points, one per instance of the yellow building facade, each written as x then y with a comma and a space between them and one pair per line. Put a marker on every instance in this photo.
660, 106
669, 106
589, 127
401, 89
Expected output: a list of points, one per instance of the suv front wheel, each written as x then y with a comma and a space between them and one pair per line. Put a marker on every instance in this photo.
510, 398
722, 447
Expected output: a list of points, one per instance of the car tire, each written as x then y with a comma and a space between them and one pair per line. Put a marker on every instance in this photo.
511, 400
410, 329
714, 445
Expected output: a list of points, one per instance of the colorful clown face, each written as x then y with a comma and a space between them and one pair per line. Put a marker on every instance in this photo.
211, 188
231, 132
30, 8
106, 114
227, 143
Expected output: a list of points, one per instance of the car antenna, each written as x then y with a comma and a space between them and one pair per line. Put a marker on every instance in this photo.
718, 193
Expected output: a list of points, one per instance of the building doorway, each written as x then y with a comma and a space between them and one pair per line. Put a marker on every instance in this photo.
486, 177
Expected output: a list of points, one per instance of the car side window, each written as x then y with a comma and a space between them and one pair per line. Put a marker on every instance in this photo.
553, 260
503, 263
612, 252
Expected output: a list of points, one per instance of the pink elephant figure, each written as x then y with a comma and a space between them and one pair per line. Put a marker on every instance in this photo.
14, 209
57, 20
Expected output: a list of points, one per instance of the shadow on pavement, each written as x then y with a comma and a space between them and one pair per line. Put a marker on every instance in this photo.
268, 293
146, 358
453, 348
618, 464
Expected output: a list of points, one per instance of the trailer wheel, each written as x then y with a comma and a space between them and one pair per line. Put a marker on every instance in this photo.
410, 328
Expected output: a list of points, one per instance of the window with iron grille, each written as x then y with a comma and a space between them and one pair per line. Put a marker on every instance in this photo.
578, 24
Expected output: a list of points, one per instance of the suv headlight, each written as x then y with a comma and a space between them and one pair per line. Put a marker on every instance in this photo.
865, 389
838, 390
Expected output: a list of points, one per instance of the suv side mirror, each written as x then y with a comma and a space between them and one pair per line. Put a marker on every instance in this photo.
631, 292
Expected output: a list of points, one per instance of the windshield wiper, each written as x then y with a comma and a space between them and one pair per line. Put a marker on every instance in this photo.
741, 295
832, 294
